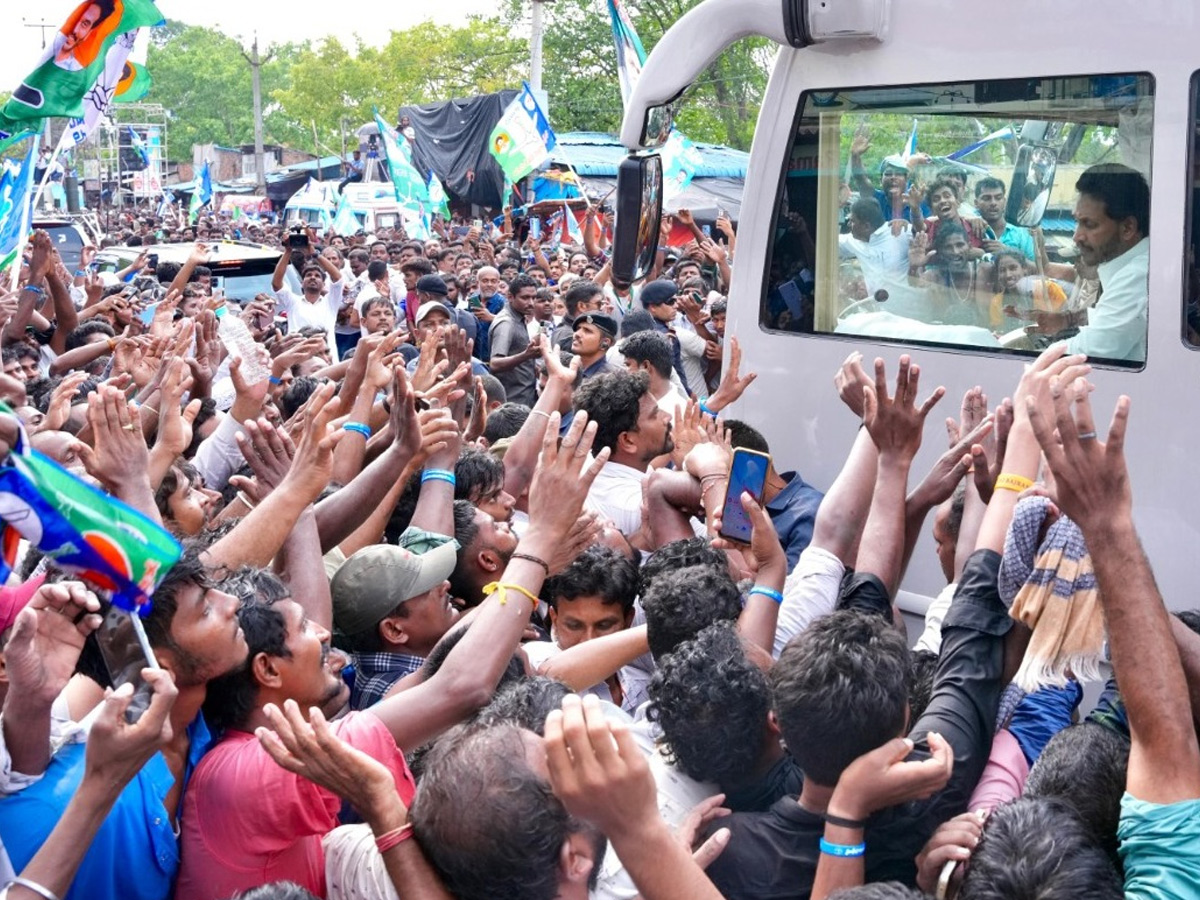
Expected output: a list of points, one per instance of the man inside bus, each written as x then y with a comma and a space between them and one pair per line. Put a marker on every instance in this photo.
893, 176
882, 255
990, 201
1112, 233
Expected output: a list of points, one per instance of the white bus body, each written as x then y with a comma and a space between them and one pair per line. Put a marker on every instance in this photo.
930, 42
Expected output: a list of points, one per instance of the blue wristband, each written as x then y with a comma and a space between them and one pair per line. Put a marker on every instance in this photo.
704, 409
766, 592
842, 849
438, 475
359, 428
274, 380
33, 289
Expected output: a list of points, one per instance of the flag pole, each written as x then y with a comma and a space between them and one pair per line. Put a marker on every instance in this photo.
27, 213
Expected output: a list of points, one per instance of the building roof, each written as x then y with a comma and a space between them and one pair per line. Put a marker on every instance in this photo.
594, 153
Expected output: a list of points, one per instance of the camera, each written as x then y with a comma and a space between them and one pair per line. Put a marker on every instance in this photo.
297, 238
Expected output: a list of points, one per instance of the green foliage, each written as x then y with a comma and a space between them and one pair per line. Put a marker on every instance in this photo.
580, 71
204, 81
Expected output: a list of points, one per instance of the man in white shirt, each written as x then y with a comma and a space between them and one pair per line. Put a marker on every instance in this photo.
630, 423
650, 352
310, 308
1112, 232
882, 256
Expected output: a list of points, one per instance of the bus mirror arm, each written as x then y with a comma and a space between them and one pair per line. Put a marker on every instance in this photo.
693, 42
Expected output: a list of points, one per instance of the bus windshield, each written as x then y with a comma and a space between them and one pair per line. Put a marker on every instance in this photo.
979, 216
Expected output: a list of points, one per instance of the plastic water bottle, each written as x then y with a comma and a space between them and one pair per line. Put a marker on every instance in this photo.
240, 343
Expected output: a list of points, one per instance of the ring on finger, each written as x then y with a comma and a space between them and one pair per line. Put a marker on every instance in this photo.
1087, 436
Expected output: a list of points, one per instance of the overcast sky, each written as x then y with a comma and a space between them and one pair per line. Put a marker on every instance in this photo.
20, 47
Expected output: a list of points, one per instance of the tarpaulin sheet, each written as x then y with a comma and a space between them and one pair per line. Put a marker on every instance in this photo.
451, 139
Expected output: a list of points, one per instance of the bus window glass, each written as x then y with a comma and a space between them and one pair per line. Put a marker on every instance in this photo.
1191, 296
990, 216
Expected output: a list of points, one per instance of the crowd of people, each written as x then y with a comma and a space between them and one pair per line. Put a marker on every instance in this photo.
454, 617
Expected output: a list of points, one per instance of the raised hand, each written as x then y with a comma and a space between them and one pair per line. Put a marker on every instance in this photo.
47, 638
1091, 479
563, 476
850, 380
119, 457
881, 778
117, 749
733, 383
269, 453
952, 842
896, 423
313, 463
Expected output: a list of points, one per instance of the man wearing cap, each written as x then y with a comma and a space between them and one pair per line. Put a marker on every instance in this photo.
435, 316
594, 334
390, 607
432, 288
413, 270
659, 299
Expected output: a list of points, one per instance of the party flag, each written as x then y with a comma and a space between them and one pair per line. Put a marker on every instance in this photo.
522, 139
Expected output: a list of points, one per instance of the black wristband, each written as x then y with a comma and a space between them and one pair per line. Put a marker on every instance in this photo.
843, 823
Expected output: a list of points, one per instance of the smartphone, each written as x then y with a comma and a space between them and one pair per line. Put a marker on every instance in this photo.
146, 316
126, 651
707, 229
535, 229
747, 473
477, 223
474, 303
152, 261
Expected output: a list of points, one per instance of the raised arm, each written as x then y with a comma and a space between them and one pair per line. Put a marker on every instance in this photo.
1092, 487
472, 669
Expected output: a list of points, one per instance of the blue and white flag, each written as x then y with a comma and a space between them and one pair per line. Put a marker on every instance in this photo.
206, 191
679, 157
345, 222
522, 139
910, 146
438, 201
573, 230
16, 192
1005, 132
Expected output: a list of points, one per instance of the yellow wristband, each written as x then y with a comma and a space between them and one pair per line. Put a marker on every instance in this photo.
502, 590
1015, 483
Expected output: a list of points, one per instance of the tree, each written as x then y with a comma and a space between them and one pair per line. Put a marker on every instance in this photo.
202, 79
580, 74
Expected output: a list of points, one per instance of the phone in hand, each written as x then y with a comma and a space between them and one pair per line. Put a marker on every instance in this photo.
535, 229
152, 261
126, 651
146, 316
477, 223
707, 229
747, 473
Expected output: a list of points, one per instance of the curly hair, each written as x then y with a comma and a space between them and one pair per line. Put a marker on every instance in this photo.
680, 604
650, 347
613, 401
712, 703
597, 571
840, 690
682, 554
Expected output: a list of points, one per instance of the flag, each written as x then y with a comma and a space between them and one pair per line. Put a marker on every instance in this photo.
412, 191
164, 205
574, 235
134, 84
631, 56
1005, 132
73, 64
345, 223
139, 147
438, 201
83, 530
522, 139
97, 101
206, 191
680, 158
910, 146
16, 193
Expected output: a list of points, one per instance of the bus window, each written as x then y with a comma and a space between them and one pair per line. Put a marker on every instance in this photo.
946, 215
1191, 295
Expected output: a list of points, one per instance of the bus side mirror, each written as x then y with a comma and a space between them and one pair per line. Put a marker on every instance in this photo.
638, 217
1029, 191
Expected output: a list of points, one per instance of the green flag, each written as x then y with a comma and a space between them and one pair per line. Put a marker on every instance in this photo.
72, 63
134, 84
522, 139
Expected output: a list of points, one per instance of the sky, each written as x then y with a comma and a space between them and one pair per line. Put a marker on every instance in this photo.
20, 48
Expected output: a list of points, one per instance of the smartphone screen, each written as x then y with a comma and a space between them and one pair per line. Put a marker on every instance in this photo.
747, 473
146, 316
126, 652
707, 229
535, 229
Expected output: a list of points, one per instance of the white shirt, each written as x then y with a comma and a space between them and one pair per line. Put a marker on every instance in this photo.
1116, 327
691, 355
617, 494
883, 257
322, 314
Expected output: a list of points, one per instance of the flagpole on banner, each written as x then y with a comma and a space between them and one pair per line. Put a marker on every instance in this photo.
27, 211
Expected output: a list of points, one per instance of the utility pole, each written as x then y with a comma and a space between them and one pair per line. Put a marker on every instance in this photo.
43, 25
536, 32
256, 64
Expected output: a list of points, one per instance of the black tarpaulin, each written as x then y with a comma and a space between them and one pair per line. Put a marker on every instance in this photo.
451, 139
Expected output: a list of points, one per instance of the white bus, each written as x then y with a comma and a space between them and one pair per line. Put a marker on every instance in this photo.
1054, 88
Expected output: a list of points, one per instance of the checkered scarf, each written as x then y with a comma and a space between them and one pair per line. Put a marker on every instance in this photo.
1052, 589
